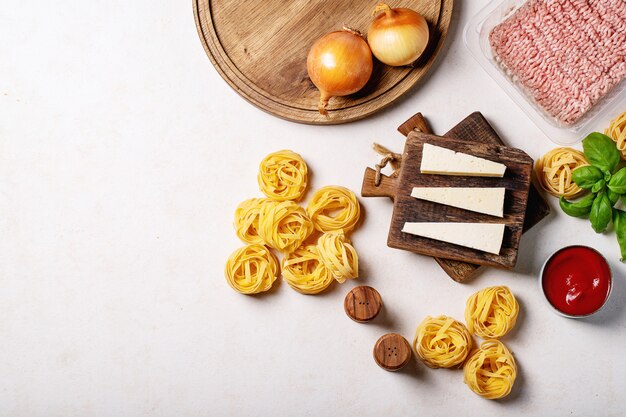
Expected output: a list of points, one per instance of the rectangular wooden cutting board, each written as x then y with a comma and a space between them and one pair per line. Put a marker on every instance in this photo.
476, 127
516, 180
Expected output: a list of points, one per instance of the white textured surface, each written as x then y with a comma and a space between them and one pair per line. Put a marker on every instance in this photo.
122, 157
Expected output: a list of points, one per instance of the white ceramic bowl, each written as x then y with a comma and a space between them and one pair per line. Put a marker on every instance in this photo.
559, 312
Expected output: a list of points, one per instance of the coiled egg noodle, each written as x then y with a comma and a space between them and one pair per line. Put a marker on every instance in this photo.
617, 132
554, 171
338, 255
334, 208
251, 269
284, 225
247, 220
305, 272
283, 176
491, 312
442, 342
491, 370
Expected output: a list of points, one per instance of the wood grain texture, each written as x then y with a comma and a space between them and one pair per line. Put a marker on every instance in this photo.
478, 128
386, 188
392, 352
419, 123
362, 304
516, 180
260, 47
537, 208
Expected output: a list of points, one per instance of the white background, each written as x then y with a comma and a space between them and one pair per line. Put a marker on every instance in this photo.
122, 157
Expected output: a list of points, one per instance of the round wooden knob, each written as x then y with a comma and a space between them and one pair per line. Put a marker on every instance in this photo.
362, 304
392, 352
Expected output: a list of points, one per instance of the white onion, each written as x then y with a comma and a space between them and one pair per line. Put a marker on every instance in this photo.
397, 36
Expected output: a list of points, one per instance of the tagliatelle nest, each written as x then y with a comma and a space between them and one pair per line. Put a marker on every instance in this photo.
334, 208
284, 225
617, 132
491, 371
442, 342
339, 256
554, 171
305, 272
283, 176
491, 312
278, 222
247, 220
251, 269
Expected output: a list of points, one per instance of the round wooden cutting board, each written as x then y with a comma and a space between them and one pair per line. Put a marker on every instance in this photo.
260, 47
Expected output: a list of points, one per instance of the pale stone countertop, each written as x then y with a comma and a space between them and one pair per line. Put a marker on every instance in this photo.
122, 157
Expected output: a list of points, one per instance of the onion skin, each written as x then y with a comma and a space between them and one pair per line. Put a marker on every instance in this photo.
339, 63
397, 37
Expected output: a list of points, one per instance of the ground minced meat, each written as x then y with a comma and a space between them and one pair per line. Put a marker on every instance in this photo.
566, 54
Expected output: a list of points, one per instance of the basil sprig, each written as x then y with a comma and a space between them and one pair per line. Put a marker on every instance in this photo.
601, 152
581, 208
619, 221
617, 183
586, 176
606, 184
601, 211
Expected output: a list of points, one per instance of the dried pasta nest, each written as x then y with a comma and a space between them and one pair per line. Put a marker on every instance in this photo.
305, 272
442, 342
278, 222
491, 370
617, 132
334, 208
283, 176
247, 220
554, 171
284, 225
251, 269
491, 312
339, 256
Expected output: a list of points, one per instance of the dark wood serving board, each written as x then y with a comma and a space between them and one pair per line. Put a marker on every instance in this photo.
476, 127
516, 180
260, 47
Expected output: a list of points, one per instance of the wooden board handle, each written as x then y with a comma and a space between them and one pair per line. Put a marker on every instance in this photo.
386, 188
388, 185
415, 122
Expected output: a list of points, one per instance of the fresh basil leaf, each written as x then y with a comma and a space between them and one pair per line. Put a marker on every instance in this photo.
598, 186
601, 151
601, 212
618, 182
619, 220
586, 176
580, 208
607, 176
613, 196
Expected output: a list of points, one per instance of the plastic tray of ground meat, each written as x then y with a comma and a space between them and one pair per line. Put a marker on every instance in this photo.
562, 61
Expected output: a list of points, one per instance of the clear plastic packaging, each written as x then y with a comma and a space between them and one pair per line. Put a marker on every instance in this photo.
476, 37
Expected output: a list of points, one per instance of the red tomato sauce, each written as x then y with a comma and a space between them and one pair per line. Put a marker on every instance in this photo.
576, 280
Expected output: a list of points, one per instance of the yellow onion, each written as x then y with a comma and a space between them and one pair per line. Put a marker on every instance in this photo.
339, 63
397, 36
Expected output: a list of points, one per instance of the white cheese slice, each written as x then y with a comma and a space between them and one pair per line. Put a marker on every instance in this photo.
438, 160
486, 237
481, 200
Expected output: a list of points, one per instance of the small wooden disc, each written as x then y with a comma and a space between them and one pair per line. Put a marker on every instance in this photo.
392, 352
362, 304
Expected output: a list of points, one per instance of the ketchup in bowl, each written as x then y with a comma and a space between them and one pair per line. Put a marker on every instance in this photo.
576, 281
